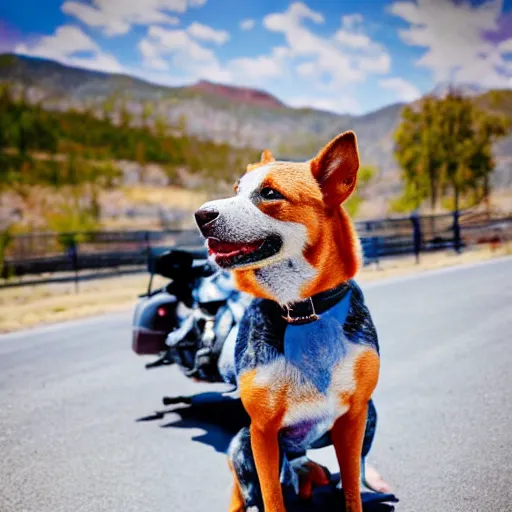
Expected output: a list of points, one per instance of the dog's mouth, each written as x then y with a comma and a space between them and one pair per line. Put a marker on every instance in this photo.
237, 254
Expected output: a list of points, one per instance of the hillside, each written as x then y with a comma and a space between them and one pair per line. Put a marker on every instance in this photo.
239, 116
242, 117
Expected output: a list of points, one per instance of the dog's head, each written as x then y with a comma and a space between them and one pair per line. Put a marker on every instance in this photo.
286, 219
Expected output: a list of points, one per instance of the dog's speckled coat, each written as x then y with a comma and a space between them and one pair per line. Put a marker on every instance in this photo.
286, 238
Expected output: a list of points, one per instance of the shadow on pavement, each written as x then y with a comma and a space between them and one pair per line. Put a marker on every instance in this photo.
219, 415
222, 416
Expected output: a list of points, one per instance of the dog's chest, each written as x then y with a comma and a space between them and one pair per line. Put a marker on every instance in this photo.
311, 382
309, 394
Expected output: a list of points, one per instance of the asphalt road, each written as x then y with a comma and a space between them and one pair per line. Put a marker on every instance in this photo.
70, 395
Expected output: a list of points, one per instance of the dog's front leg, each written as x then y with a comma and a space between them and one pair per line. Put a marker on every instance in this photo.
347, 437
265, 449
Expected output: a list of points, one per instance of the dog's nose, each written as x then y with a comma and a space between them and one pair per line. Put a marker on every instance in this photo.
204, 217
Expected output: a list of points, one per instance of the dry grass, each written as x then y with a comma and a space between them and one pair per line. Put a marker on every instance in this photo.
40, 304
33, 305
169, 196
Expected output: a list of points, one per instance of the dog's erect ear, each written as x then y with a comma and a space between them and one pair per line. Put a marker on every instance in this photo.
335, 168
267, 157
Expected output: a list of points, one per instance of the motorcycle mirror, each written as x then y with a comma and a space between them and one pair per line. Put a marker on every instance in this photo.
173, 263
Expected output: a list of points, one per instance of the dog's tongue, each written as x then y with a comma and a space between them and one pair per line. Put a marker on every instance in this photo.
217, 247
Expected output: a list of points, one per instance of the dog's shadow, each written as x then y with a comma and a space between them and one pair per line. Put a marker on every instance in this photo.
222, 416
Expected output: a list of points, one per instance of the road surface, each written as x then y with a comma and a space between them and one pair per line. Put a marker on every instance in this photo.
70, 395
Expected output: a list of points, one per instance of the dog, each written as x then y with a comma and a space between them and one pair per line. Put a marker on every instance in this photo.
307, 354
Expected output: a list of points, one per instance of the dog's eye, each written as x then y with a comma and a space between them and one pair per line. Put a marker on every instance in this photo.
270, 194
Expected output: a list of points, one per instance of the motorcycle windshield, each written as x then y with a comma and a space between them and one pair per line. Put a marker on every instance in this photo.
218, 287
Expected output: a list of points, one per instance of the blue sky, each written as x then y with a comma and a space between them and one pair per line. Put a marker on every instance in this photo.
344, 56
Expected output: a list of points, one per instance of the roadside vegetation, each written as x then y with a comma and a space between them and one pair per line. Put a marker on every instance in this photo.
444, 147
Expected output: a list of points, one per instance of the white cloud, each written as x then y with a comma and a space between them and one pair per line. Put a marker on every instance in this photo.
372, 56
256, 68
95, 18
405, 91
65, 44
162, 48
307, 69
178, 43
213, 72
116, 17
177, 47
318, 59
456, 40
182, 48
282, 52
282, 22
247, 24
350, 34
505, 46
352, 39
346, 57
151, 55
344, 105
206, 33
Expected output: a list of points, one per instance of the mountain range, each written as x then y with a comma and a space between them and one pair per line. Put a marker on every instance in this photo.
240, 116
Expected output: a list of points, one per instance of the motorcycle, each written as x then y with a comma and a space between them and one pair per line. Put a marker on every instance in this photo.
192, 321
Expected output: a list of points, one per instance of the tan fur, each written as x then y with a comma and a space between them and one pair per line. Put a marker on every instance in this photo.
266, 158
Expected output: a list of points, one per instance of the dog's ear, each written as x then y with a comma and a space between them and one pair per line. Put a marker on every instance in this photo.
335, 168
267, 157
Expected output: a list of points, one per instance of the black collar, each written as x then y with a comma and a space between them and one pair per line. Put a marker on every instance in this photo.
308, 310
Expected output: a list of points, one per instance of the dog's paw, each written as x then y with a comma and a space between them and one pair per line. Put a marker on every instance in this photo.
310, 474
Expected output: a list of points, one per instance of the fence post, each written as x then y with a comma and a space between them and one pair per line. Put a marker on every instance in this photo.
376, 250
374, 245
416, 235
73, 254
456, 232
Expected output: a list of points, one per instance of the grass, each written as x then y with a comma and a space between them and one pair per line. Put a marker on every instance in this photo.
41, 304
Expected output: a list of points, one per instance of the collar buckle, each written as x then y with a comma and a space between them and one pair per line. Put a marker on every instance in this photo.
312, 317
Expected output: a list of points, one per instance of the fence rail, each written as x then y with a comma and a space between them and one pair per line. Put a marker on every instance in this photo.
51, 253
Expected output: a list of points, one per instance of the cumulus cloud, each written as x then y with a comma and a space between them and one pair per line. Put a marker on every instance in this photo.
346, 57
178, 43
247, 24
163, 48
405, 91
256, 68
151, 55
343, 105
327, 63
116, 17
351, 34
206, 33
66, 45
181, 47
458, 38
